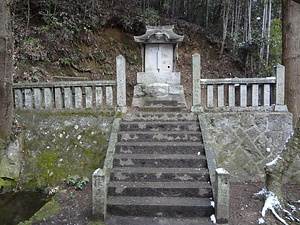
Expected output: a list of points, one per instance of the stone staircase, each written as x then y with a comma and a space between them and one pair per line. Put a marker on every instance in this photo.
160, 169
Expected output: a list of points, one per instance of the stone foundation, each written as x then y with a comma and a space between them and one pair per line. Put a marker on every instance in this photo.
158, 87
243, 142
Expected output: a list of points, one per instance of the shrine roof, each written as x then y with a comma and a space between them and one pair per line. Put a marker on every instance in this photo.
159, 34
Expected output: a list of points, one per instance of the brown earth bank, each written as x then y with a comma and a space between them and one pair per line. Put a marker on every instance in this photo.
75, 207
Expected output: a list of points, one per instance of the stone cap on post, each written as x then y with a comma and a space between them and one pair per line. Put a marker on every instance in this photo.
159, 34
222, 195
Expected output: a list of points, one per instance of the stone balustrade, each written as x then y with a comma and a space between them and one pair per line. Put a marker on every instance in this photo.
74, 94
68, 95
233, 93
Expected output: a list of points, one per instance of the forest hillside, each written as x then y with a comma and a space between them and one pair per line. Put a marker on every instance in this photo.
67, 40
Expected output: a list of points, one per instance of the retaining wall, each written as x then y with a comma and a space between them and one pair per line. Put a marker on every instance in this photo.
243, 142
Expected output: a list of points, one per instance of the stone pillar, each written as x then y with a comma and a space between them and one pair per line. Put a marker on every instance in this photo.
280, 80
99, 191
196, 107
121, 84
222, 196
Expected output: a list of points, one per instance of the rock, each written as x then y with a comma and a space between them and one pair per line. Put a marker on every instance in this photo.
11, 162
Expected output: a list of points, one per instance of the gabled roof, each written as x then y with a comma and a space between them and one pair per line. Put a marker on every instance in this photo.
159, 34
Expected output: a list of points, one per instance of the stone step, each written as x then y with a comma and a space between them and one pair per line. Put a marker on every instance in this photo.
160, 126
160, 189
150, 174
138, 220
162, 109
159, 206
160, 148
160, 160
161, 103
162, 136
150, 116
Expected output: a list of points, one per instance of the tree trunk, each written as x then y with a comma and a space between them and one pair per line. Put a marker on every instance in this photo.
291, 55
226, 10
6, 69
269, 31
276, 170
263, 31
249, 20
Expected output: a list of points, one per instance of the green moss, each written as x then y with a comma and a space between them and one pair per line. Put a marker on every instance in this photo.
46, 211
96, 223
31, 185
25, 223
2, 183
7, 184
64, 146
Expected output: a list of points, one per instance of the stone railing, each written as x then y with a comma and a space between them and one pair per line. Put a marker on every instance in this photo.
238, 93
73, 94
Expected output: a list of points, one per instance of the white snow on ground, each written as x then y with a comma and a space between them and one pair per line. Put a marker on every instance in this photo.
271, 203
261, 221
213, 218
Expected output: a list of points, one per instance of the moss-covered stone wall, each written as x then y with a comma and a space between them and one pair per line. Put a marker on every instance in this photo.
59, 145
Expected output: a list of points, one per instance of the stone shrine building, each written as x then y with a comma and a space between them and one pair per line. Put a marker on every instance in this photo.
158, 80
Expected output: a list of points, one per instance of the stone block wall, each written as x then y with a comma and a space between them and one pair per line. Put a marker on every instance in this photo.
57, 145
243, 142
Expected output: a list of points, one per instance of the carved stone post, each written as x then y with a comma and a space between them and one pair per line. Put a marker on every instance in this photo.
222, 196
196, 107
280, 80
121, 84
99, 191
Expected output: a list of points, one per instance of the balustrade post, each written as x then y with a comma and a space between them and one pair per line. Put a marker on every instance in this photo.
196, 107
280, 80
121, 84
222, 196
99, 190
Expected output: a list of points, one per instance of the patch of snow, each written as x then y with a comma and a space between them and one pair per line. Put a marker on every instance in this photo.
212, 203
221, 171
79, 137
198, 153
288, 138
76, 127
293, 208
268, 149
274, 162
261, 221
272, 203
213, 218
261, 192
